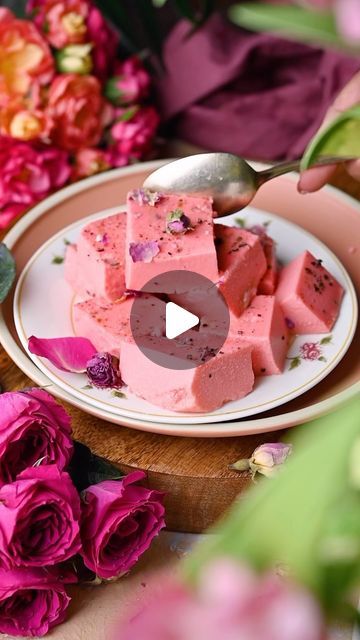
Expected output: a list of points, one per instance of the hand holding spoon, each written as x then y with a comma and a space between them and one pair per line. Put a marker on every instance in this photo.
229, 179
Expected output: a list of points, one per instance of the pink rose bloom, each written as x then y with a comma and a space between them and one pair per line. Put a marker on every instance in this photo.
105, 43
25, 58
27, 174
76, 107
231, 603
130, 83
133, 137
90, 161
118, 523
310, 351
33, 427
32, 601
63, 22
39, 519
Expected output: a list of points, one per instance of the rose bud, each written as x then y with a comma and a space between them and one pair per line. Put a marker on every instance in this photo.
75, 58
118, 523
32, 601
33, 427
103, 371
266, 459
39, 519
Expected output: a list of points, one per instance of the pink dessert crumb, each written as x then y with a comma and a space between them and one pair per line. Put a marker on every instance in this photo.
227, 376
99, 264
262, 326
106, 324
309, 295
173, 233
267, 284
242, 265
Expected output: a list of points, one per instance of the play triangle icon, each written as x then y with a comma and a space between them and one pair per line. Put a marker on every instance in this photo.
178, 320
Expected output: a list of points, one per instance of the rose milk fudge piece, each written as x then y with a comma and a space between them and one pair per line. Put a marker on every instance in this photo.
262, 326
309, 295
100, 257
71, 271
242, 264
171, 232
267, 284
225, 377
106, 324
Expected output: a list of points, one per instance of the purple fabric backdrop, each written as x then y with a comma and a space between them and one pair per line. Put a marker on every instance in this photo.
252, 94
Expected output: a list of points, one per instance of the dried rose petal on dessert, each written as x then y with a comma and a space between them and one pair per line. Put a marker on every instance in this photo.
144, 196
103, 371
143, 251
177, 222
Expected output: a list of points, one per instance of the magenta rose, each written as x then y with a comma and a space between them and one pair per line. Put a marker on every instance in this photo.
33, 428
310, 351
32, 601
130, 82
133, 136
39, 519
28, 173
118, 522
105, 42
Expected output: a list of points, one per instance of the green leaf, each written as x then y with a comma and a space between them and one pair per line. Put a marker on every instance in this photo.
7, 271
66, 242
159, 3
57, 260
322, 359
341, 138
240, 222
87, 469
295, 362
326, 340
118, 394
287, 520
294, 22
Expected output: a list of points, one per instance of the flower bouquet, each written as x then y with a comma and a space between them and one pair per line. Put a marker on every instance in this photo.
69, 107
66, 516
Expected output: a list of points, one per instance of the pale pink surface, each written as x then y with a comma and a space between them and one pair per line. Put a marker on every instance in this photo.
192, 251
267, 284
262, 326
309, 295
100, 251
107, 324
226, 377
242, 264
72, 274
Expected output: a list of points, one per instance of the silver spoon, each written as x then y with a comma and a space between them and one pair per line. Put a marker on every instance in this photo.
229, 179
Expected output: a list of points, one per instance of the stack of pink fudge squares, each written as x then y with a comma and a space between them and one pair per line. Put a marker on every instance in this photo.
116, 256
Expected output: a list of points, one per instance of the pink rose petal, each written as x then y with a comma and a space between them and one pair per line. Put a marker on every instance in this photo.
67, 354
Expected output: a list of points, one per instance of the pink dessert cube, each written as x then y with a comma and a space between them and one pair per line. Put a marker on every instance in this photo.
151, 249
242, 264
106, 324
309, 295
71, 272
227, 376
262, 326
267, 284
99, 264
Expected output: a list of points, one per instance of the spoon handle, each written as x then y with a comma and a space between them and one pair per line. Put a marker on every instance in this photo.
286, 167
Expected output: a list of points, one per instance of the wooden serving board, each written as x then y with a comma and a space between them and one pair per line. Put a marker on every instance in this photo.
193, 472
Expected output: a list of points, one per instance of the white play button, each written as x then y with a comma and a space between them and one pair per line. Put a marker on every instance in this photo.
178, 320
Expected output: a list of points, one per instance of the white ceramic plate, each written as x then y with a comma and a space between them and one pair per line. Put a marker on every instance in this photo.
43, 302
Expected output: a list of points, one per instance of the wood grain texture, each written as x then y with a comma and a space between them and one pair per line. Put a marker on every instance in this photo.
193, 472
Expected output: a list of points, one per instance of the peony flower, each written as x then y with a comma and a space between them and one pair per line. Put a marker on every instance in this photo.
75, 58
133, 134
28, 174
89, 162
310, 351
76, 107
105, 42
24, 124
62, 22
266, 459
118, 523
33, 427
39, 519
33, 601
231, 603
103, 371
130, 83
24, 58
